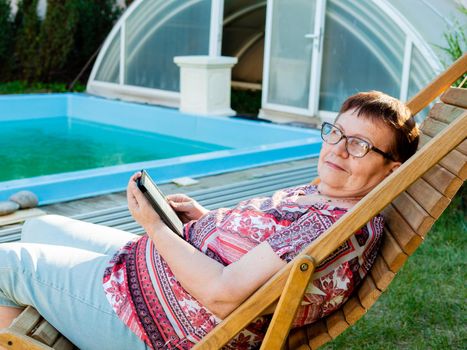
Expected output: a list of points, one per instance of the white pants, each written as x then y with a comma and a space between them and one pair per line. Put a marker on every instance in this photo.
58, 268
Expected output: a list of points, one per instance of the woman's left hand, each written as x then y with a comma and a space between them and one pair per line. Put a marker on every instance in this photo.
140, 208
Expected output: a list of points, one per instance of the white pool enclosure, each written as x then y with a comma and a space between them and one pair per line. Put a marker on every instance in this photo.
306, 56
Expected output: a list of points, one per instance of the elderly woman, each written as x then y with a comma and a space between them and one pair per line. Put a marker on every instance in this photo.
107, 289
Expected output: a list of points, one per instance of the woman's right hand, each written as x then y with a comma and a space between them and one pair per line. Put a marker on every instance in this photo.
187, 208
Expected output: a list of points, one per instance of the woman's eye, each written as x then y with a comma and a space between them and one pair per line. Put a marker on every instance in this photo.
363, 145
358, 144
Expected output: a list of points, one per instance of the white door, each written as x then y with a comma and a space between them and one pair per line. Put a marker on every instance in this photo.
293, 52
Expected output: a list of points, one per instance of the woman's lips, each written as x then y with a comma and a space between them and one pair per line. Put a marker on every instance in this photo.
334, 166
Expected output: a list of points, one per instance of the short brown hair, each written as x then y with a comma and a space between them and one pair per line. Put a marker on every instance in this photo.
379, 106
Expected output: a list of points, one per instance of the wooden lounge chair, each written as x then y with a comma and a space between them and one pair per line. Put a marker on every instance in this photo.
411, 199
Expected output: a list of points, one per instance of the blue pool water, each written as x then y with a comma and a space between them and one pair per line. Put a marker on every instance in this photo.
211, 145
34, 147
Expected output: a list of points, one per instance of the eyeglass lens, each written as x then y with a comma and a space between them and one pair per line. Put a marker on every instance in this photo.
332, 135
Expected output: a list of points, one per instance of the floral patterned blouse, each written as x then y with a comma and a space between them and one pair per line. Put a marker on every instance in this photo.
148, 298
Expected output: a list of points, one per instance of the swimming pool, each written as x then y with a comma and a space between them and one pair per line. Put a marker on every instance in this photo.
70, 144
219, 144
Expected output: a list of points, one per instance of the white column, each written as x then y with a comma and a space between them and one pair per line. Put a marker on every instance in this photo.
205, 84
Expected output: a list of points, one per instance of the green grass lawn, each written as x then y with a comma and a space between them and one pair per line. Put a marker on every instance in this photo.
22, 87
425, 305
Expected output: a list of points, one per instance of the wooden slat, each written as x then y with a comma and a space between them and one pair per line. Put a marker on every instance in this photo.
353, 310
368, 293
381, 274
317, 334
438, 85
462, 148
456, 163
432, 127
444, 112
407, 238
443, 180
455, 96
392, 253
26, 321
63, 343
413, 213
424, 139
17, 341
429, 198
336, 323
298, 339
45, 333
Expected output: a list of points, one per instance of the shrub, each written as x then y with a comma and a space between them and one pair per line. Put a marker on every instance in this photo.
27, 25
56, 48
6, 36
456, 40
56, 40
94, 22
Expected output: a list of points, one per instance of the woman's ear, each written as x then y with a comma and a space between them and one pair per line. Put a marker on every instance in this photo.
393, 166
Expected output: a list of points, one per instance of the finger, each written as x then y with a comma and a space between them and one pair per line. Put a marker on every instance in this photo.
132, 203
138, 195
133, 179
130, 196
181, 206
135, 176
177, 197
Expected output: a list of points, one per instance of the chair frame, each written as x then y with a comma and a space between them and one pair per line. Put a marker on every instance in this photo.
281, 286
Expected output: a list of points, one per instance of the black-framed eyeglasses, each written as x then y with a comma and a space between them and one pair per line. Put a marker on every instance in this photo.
355, 146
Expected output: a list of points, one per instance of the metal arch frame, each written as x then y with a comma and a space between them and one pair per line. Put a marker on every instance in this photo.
163, 20
244, 11
249, 43
359, 12
412, 38
138, 93
110, 38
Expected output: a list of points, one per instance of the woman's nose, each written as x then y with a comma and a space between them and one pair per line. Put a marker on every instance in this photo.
340, 148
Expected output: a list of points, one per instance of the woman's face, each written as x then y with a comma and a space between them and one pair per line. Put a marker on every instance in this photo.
343, 175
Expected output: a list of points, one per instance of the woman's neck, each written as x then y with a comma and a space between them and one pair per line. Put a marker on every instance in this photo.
326, 192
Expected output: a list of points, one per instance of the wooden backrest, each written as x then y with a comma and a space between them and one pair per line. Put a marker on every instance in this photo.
408, 219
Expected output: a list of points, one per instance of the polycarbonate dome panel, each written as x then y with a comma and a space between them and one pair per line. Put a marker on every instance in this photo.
432, 18
156, 32
420, 75
363, 50
109, 70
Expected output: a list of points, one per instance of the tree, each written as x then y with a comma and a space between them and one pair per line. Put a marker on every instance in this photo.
6, 38
96, 19
56, 39
27, 23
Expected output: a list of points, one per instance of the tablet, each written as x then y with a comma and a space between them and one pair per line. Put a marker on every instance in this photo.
159, 203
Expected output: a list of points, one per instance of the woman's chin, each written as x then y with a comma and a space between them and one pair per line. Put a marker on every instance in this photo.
333, 177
